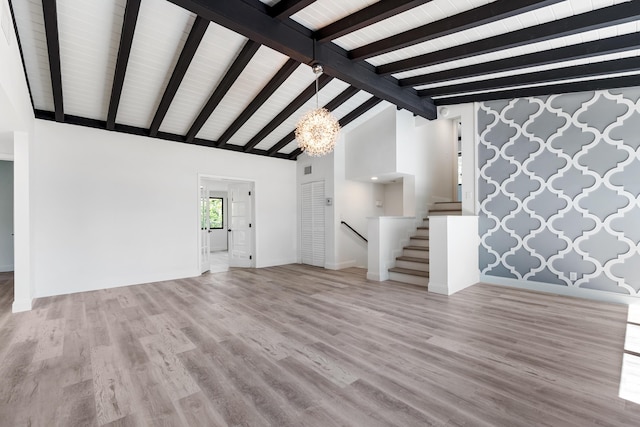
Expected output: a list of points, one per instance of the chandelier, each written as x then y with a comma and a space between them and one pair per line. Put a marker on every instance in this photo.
317, 131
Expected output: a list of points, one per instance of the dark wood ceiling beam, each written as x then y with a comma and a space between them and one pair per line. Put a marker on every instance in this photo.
196, 34
126, 39
561, 54
331, 105
133, 130
285, 8
539, 77
254, 24
597, 19
366, 106
250, 48
554, 89
289, 67
363, 18
476, 17
50, 13
287, 112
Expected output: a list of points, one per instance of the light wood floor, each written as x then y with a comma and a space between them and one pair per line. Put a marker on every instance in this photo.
297, 346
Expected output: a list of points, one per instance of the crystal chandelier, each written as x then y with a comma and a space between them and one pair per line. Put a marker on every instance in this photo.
317, 131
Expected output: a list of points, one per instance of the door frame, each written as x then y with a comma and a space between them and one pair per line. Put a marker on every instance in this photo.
229, 179
9, 158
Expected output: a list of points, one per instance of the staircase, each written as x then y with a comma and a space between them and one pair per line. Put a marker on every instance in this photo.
413, 266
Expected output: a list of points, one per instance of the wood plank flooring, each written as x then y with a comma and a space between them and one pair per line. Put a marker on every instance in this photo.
301, 346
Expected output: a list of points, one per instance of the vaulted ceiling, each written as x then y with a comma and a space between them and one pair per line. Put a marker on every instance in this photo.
235, 74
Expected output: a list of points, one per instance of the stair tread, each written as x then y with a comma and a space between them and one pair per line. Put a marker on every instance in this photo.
409, 271
447, 203
420, 237
413, 259
423, 228
417, 248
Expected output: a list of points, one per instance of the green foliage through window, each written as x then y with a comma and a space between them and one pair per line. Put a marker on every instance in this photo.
216, 220
215, 212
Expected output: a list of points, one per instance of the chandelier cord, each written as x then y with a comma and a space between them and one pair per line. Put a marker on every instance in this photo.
317, 104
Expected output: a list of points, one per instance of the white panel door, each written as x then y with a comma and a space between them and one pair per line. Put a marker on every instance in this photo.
240, 226
312, 227
205, 253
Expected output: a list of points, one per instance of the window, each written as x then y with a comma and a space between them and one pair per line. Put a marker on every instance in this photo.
215, 213
216, 219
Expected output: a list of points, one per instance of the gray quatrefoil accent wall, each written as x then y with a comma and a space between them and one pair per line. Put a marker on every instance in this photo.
559, 190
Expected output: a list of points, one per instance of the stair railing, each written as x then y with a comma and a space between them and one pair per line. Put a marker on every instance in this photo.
352, 229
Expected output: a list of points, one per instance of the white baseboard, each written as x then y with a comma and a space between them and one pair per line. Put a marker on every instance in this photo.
20, 305
570, 291
6, 267
373, 276
377, 277
438, 288
340, 265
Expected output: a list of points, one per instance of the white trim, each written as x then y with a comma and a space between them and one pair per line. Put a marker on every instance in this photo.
571, 291
340, 265
375, 276
21, 305
7, 157
229, 179
438, 288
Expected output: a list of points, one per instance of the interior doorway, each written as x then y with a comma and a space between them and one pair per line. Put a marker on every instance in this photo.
458, 160
6, 236
226, 221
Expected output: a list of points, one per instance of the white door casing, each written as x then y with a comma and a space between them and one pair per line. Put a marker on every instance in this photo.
203, 224
240, 226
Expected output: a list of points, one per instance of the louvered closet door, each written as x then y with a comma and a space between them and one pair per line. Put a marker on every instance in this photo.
312, 238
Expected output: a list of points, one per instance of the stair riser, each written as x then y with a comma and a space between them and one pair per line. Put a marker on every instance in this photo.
423, 233
413, 265
415, 253
448, 206
407, 278
442, 213
419, 242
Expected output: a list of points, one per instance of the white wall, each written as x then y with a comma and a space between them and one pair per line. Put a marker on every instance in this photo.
355, 201
435, 178
466, 114
123, 209
16, 129
6, 216
371, 146
393, 198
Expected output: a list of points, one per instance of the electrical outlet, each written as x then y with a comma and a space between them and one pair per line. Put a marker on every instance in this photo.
573, 276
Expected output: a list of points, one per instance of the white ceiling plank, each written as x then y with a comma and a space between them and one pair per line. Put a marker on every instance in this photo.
262, 67
88, 51
161, 31
218, 49
321, 13
287, 92
30, 22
